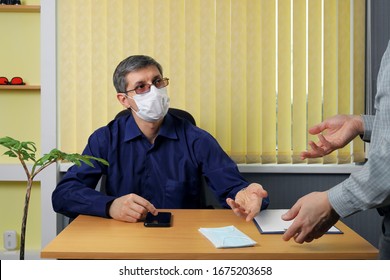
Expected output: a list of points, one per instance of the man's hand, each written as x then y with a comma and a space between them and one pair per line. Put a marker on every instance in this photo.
131, 208
248, 201
313, 217
339, 131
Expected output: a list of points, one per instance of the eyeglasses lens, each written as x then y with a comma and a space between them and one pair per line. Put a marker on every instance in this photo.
160, 83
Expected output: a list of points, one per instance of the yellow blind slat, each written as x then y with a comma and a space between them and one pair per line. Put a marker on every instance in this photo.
314, 73
83, 56
284, 82
161, 32
268, 81
99, 66
344, 64
254, 101
177, 58
146, 27
119, 42
67, 72
358, 71
330, 65
192, 57
125, 40
207, 69
299, 79
238, 81
223, 79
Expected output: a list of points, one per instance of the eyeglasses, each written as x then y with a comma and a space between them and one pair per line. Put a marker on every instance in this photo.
144, 88
14, 81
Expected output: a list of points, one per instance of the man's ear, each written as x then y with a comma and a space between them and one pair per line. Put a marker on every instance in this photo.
122, 98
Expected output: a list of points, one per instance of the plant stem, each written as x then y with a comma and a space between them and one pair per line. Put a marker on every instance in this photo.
35, 172
24, 220
24, 165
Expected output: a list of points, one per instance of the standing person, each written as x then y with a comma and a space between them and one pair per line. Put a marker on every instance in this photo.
156, 160
369, 188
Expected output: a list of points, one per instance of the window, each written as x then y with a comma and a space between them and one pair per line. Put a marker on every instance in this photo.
254, 73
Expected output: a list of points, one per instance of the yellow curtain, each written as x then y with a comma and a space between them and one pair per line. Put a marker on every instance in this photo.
254, 73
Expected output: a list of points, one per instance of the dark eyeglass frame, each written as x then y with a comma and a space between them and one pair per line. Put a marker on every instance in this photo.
145, 88
16, 81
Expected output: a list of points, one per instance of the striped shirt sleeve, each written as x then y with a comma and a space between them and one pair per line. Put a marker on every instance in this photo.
370, 186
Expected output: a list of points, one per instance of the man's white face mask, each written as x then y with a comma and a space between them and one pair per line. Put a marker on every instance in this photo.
153, 105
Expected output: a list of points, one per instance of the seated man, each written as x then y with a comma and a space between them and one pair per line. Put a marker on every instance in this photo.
156, 160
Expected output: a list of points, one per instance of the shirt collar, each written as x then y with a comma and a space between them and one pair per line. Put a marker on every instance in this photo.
167, 128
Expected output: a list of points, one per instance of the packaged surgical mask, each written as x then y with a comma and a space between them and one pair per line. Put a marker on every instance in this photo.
227, 237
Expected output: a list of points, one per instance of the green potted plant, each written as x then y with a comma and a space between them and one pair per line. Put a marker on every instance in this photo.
25, 151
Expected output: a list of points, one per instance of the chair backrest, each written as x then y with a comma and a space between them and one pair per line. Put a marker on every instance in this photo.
174, 111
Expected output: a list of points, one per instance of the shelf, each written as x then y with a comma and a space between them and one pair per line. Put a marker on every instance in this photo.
15, 172
20, 8
25, 87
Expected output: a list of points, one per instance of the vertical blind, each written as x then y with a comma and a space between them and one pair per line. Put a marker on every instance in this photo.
254, 73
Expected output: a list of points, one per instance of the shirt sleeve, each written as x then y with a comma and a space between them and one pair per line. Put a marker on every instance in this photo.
370, 186
220, 171
75, 194
368, 122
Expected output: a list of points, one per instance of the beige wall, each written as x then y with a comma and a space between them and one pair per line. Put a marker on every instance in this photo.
20, 117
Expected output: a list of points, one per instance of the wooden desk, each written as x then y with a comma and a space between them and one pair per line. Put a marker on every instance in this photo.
98, 238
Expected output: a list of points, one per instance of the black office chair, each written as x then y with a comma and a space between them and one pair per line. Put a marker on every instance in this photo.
174, 111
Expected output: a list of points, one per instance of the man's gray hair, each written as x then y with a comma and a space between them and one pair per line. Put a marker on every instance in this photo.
130, 64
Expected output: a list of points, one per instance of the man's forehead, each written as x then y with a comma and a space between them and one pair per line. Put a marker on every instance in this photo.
143, 74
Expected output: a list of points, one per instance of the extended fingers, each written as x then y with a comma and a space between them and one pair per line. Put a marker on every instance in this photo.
322, 148
299, 234
292, 232
326, 145
317, 128
143, 205
236, 207
295, 228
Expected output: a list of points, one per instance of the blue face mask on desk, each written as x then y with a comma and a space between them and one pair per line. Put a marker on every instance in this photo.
227, 237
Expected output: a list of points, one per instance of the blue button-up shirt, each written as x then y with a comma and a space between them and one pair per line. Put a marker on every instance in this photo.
167, 173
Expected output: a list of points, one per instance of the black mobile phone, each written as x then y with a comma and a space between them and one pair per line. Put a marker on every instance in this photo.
163, 219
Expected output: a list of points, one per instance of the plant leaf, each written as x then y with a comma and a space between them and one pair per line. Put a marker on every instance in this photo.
29, 146
9, 142
57, 155
26, 151
10, 154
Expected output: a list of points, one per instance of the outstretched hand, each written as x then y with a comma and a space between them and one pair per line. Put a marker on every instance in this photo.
313, 216
247, 202
339, 131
